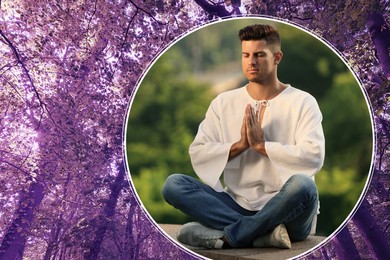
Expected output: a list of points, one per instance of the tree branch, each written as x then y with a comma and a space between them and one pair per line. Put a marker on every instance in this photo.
149, 14
17, 56
128, 27
214, 9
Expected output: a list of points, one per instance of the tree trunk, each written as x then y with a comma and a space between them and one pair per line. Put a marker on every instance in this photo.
345, 246
324, 253
380, 35
130, 241
370, 231
106, 215
57, 228
14, 241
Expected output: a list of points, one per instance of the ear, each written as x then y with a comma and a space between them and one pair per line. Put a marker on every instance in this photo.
278, 57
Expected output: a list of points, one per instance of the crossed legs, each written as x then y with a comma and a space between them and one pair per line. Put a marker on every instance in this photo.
295, 206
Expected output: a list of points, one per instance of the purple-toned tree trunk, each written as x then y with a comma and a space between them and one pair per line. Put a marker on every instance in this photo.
371, 232
57, 228
14, 241
324, 253
52, 247
107, 213
131, 245
380, 35
345, 246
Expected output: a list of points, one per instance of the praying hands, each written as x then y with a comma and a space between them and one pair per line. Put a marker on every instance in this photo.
254, 132
252, 135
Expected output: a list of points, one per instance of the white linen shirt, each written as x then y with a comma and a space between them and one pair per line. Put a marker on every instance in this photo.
294, 142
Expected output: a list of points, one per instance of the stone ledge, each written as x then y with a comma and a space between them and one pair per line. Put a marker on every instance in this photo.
297, 248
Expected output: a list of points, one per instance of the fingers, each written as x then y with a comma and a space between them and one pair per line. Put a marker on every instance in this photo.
244, 127
250, 118
253, 117
248, 109
250, 123
253, 122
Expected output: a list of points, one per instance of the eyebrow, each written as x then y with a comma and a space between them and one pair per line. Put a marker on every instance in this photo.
257, 52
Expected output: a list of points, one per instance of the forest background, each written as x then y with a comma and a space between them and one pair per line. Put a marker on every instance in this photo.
174, 95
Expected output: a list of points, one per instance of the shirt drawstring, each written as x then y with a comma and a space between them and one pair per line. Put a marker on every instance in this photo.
259, 106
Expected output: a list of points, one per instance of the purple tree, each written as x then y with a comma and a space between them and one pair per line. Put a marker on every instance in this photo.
67, 72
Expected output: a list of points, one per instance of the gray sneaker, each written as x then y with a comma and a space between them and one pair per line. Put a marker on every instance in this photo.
196, 235
275, 238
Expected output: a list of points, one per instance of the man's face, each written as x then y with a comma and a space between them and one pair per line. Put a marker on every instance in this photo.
258, 60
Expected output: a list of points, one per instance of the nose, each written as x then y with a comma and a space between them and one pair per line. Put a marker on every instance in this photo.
251, 61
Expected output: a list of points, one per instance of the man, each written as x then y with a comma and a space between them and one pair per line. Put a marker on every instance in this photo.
267, 140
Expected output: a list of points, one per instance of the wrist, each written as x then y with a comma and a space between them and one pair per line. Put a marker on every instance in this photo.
243, 146
260, 148
237, 149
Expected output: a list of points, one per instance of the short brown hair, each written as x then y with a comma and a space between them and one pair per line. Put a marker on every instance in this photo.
260, 32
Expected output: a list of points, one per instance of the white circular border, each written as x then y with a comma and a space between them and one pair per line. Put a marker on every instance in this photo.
277, 20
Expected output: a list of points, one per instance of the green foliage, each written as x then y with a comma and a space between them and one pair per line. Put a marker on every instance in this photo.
347, 126
164, 117
339, 191
213, 45
162, 123
149, 184
348, 135
307, 63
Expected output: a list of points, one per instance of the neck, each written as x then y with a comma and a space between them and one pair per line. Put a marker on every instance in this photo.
259, 91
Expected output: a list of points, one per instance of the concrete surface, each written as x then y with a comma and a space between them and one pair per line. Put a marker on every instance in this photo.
297, 248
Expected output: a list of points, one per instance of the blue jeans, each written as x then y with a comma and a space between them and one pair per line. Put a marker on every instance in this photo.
295, 206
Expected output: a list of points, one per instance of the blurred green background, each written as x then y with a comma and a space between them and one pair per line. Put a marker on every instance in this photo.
176, 92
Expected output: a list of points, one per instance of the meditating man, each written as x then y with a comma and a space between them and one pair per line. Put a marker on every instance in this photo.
266, 139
